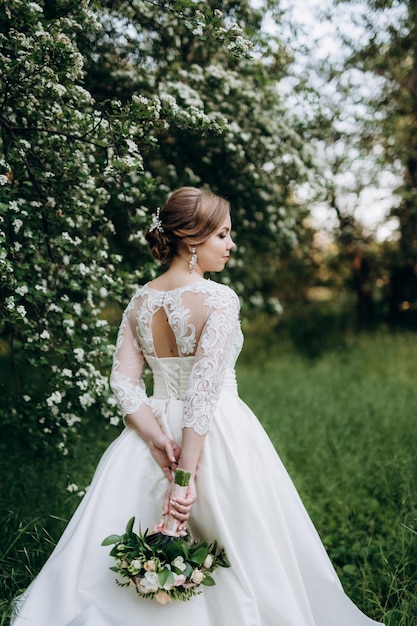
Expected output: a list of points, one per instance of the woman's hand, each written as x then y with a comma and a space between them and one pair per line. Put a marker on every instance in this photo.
180, 508
166, 453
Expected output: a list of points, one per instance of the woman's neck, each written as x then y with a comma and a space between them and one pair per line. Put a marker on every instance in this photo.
177, 275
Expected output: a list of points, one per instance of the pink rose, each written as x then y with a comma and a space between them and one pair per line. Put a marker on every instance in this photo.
162, 597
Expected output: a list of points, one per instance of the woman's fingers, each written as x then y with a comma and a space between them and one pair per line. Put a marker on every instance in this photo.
180, 508
172, 451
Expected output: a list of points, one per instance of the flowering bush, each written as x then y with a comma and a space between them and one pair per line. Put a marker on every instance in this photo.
104, 110
70, 166
161, 567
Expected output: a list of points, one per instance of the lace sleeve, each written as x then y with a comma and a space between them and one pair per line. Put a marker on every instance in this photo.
210, 364
127, 371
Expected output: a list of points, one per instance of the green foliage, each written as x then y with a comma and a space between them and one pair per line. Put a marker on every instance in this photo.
316, 327
387, 53
183, 58
17, 535
56, 265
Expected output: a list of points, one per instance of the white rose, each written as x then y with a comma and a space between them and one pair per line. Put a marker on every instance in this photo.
208, 562
179, 563
197, 576
179, 579
150, 566
149, 583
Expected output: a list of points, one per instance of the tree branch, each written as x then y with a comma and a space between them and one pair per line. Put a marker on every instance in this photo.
52, 131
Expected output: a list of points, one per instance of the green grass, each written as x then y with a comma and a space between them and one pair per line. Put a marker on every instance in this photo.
344, 425
35, 505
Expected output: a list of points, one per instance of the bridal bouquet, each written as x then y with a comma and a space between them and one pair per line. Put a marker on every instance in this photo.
162, 565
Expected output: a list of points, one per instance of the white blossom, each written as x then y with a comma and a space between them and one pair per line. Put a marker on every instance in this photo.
10, 303
54, 398
79, 354
22, 290
55, 308
17, 224
86, 400
71, 419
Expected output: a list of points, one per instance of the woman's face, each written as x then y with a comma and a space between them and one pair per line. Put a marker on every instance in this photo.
213, 254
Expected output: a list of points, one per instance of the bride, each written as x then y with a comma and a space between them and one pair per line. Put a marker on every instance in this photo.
186, 329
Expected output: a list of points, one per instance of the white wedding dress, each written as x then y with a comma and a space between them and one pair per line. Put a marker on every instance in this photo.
280, 574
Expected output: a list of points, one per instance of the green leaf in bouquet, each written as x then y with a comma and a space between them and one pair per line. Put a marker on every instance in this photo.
208, 581
129, 526
199, 553
177, 548
221, 559
166, 576
162, 576
188, 570
108, 541
115, 551
144, 545
159, 541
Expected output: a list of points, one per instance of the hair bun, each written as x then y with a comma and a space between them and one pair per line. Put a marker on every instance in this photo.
159, 245
189, 216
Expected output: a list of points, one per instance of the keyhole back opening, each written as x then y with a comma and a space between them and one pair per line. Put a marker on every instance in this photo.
165, 343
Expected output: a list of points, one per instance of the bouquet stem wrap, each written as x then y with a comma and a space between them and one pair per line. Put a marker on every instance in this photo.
178, 490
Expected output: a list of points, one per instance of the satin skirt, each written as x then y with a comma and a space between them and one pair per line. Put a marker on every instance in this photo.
280, 574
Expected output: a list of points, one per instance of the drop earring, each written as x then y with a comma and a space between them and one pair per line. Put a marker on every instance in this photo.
193, 261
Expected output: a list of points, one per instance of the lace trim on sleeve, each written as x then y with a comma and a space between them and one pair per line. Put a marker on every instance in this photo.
128, 366
211, 361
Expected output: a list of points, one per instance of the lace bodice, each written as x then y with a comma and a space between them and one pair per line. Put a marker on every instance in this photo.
200, 320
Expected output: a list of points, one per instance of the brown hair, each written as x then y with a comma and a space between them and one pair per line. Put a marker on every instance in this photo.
189, 216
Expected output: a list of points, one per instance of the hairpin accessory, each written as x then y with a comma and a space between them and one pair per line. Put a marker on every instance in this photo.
156, 223
193, 261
